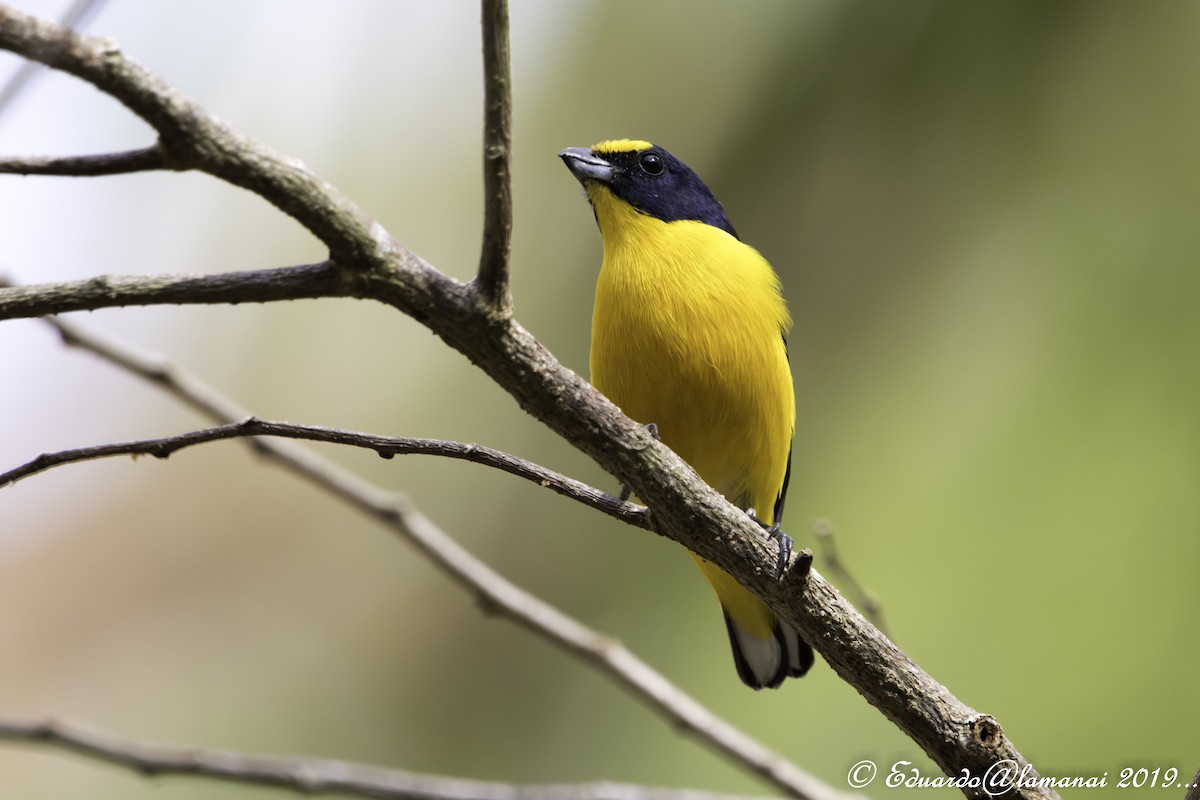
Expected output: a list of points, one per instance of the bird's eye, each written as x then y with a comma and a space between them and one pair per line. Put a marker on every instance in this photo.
652, 164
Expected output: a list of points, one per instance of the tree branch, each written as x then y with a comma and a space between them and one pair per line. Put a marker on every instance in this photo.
494, 592
492, 280
958, 738
109, 291
72, 17
311, 775
143, 160
191, 138
385, 446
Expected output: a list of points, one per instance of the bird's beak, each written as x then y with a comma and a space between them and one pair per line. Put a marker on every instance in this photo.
586, 166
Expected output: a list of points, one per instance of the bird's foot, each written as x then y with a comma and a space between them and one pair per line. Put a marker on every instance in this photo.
782, 541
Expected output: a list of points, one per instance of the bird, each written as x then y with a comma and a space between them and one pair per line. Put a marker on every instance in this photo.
689, 335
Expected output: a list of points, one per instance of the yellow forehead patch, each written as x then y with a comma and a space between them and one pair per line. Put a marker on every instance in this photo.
621, 146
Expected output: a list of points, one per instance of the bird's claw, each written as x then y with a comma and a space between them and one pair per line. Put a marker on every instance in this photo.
782, 541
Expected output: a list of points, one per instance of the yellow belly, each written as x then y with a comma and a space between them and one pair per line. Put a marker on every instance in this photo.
688, 336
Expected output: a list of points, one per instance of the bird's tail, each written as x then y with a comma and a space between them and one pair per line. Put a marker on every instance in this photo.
766, 650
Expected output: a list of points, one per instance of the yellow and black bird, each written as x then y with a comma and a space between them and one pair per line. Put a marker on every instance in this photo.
688, 333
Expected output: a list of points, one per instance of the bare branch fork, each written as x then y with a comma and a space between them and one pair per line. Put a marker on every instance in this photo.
366, 262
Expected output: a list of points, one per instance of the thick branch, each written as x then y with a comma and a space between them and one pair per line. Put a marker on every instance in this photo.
492, 280
311, 775
385, 446
144, 160
956, 737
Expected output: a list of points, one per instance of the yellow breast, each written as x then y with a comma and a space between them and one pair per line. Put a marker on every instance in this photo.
687, 334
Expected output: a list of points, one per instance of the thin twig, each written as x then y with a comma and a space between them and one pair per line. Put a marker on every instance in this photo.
312, 775
385, 446
492, 280
106, 291
101, 164
863, 599
495, 592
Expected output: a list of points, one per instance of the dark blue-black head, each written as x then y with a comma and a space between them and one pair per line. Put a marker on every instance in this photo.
648, 178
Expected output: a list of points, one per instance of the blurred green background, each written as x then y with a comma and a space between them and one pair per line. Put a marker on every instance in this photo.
983, 216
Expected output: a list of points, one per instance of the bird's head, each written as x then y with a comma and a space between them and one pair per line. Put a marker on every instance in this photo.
646, 177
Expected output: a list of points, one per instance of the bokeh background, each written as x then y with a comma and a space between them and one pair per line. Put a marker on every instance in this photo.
984, 216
